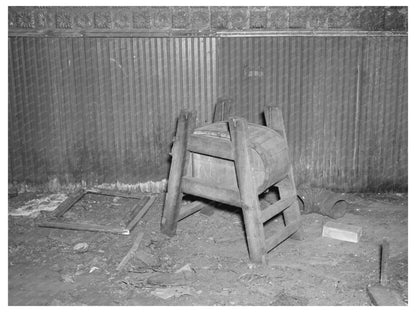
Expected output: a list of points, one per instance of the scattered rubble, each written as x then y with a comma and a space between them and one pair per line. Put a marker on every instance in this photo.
33, 207
166, 293
81, 247
45, 269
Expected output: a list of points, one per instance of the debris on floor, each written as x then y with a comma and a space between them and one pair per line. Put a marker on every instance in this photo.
283, 299
81, 247
208, 256
33, 207
181, 277
131, 252
166, 293
382, 295
385, 296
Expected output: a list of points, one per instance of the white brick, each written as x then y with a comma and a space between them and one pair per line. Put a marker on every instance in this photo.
344, 232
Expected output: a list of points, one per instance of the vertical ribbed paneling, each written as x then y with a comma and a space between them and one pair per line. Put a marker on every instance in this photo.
344, 101
103, 109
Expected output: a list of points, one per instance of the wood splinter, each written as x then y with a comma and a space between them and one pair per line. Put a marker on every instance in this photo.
131, 252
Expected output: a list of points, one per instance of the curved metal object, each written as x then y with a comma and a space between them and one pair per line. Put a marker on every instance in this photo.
321, 201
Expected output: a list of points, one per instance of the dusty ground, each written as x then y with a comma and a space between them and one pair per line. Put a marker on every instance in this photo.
44, 268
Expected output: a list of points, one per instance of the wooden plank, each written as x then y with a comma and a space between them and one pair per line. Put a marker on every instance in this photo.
187, 210
293, 213
215, 147
384, 296
287, 187
186, 124
274, 119
385, 251
134, 210
141, 213
277, 208
197, 187
131, 252
222, 111
277, 238
112, 193
85, 227
251, 206
68, 203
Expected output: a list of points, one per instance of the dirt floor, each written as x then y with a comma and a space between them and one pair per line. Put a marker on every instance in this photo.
210, 253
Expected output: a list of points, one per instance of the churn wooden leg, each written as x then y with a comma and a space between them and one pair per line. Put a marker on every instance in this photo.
248, 192
186, 125
292, 213
287, 187
274, 120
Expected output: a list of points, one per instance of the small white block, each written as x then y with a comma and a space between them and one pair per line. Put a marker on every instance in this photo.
344, 232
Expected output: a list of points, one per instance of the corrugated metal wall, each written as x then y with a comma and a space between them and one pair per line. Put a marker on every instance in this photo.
102, 109
344, 101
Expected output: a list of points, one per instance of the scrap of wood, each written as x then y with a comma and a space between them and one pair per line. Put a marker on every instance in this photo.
384, 258
68, 203
134, 211
384, 296
180, 158
187, 210
380, 295
85, 227
141, 213
131, 252
105, 192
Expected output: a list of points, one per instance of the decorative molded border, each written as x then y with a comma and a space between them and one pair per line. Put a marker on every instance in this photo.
203, 20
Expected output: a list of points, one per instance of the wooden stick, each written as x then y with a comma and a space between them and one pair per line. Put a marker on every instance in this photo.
210, 146
274, 119
248, 193
131, 252
68, 203
141, 213
112, 193
287, 187
85, 227
200, 188
384, 258
187, 210
186, 124
276, 208
134, 211
280, 236
222, 111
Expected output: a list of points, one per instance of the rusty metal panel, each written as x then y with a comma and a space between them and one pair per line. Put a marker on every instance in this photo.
103, 109
344, 101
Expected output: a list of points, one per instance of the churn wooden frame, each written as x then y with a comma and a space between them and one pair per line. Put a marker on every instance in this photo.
246, 197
